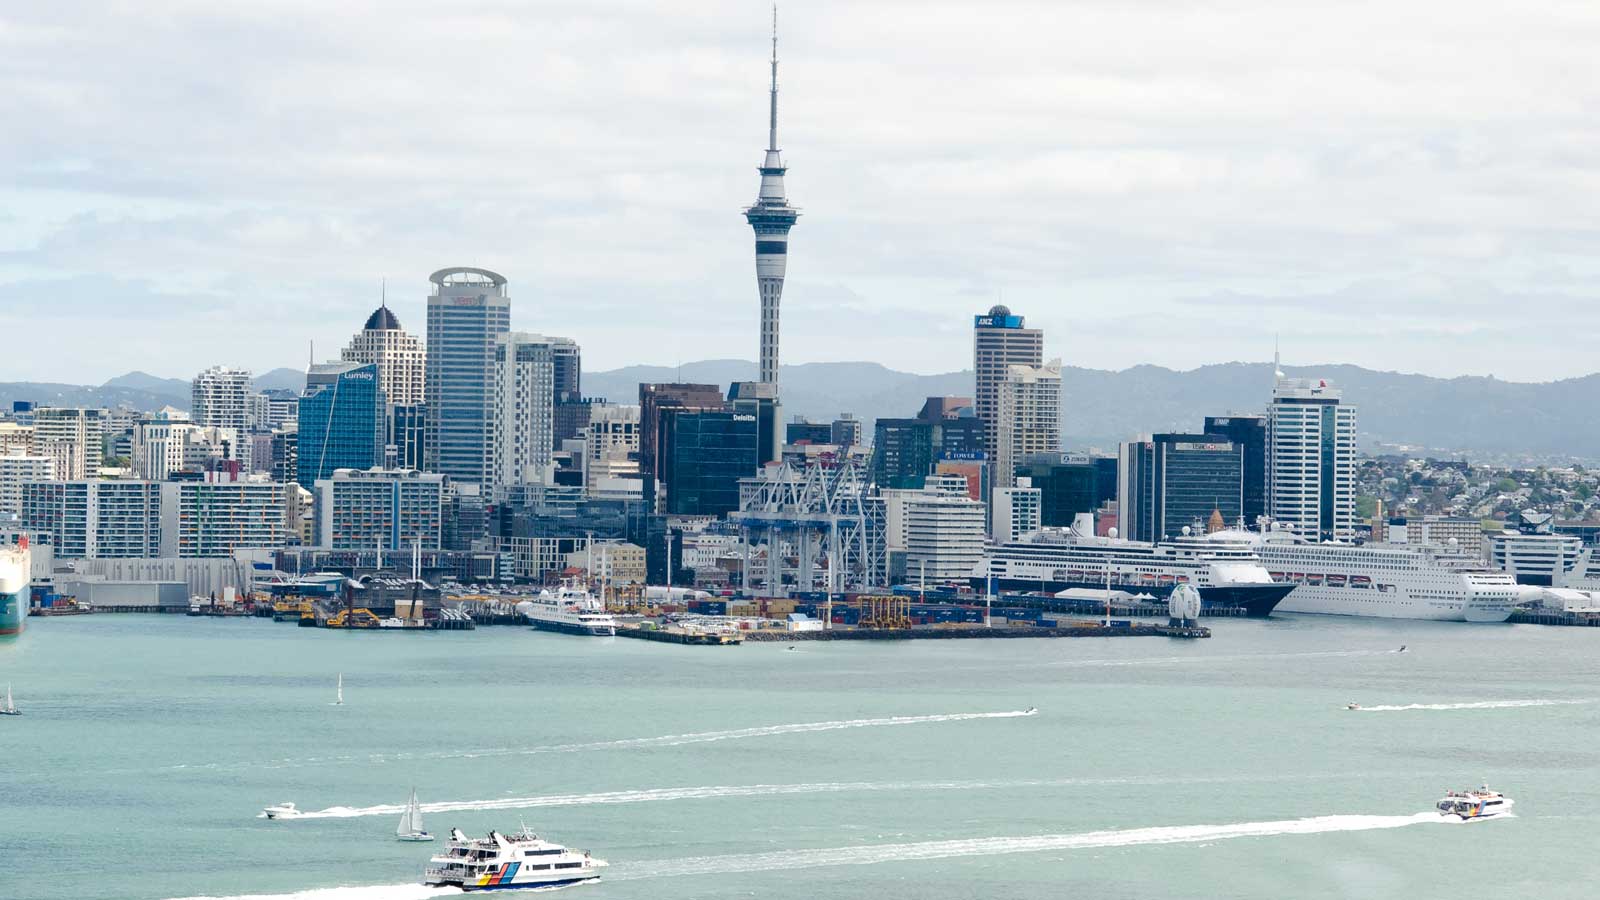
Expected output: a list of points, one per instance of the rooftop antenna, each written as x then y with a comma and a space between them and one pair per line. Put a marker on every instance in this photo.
311, 354
383, 292
1277, 366
772, 124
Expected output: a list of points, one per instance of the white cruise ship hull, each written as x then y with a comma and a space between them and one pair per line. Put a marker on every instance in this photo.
588, 629
1343, 601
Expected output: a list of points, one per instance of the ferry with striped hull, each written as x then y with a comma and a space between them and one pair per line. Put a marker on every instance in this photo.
16, 576
509, 862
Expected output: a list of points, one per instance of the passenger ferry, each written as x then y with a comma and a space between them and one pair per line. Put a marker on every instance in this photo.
1055, 559
570, 609
1382, 581
1479, 804
503, 862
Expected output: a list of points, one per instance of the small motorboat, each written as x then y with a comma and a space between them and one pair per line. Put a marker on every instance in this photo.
1479, 804
792, 648
1030, 710
1402, 649
281, 811
1352, 705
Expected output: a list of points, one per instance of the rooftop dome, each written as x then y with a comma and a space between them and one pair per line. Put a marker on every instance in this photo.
382, 320
999, 309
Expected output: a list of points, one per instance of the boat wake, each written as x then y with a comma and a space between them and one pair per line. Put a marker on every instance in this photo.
665, 740
989, 846
1483, 704
411, 891
882, 853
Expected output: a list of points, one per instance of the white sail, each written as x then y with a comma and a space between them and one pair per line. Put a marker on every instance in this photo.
10, 706
411, 819
339, 699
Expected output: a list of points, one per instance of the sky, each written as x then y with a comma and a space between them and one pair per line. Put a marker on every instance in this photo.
1402, 185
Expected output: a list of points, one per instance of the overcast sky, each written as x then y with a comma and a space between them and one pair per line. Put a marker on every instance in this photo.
1403, 185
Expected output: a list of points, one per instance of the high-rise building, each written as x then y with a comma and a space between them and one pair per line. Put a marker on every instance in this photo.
999, 341
906, 451
399, 356
273, 408
1027, 417
221, 397
408, 426
215, 518
1176, 481
771, 217
653, 399
944, 531
342, 420
1068, 487
610, 444
1250, 433
96, 519
395, 509
73, 437
760, 399
16, 438
845, 431
468, 311
1014, 511
1311, 446
803, 431
17, 470
703, 455
524, 403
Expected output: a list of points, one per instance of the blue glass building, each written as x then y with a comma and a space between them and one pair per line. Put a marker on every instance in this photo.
342, 420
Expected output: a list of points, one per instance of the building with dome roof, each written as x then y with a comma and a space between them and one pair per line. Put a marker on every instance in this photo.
398, 355
999, 341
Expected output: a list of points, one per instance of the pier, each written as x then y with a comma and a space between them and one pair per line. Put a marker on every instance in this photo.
1554, 617
1082, 629
680, 636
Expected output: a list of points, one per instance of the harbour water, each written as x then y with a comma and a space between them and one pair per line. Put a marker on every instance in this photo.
1153, 767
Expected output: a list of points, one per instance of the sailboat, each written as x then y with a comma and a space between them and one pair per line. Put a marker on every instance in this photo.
410, 827
10, 709
339, 697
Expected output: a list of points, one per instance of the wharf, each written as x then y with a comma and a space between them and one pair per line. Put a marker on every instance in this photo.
1084, 607
1084, 629
1554, 617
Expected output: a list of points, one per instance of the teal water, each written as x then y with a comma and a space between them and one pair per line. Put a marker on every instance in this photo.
1153, 768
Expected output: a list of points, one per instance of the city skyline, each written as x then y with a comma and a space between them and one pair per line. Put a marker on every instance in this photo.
1235, 187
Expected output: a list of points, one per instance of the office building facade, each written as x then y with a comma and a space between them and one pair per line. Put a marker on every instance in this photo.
394, 509
1014, 512
943, 531
399, 356
342, 421
96, 519
221, 397
1027, 417
703, 454
202, 519
73, 437
1311, 445
524, 408
16, 470
999, 340
1250, 433
1175, 481
469, 310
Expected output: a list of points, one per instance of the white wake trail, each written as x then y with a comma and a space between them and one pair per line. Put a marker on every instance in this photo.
361, 892
1482, 704
989, 846
665, 740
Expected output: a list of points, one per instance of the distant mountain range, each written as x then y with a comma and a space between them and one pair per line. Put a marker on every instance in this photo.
1467, 416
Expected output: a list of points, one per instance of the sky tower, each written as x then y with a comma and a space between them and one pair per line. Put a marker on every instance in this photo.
771, 217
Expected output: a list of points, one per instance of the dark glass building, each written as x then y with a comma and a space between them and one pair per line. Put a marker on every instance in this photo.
407, 428
1173, 481
1250, 433
808, 432
1069, 487
703, 454
905, 451
342, 421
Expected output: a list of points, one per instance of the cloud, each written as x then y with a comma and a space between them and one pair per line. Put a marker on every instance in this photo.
1148, 181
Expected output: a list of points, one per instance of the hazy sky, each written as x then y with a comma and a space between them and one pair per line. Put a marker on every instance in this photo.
1407, 185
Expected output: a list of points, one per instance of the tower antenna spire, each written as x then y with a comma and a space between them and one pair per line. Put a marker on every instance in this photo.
383, 292
772, 123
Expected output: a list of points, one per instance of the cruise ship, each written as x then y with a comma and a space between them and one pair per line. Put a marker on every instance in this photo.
509, 862
569, 609
1053, 560
16, 575
1382, 581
